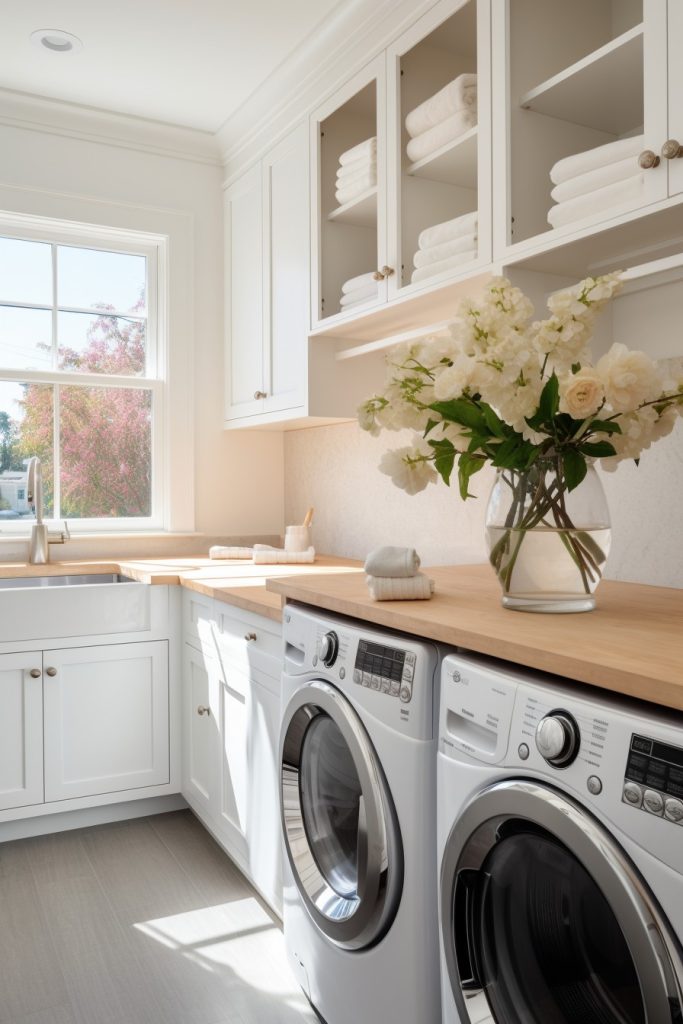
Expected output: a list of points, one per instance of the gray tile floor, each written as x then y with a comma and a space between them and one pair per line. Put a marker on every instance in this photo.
141, 922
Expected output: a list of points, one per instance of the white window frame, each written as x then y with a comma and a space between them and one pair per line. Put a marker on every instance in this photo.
155, 248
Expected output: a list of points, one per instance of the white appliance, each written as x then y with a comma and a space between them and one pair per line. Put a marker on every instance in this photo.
561, 852
358, 805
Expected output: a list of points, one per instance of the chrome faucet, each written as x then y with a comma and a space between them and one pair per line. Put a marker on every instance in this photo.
39, 545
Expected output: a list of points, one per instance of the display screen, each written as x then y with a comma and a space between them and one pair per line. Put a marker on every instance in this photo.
657, 765
380, 661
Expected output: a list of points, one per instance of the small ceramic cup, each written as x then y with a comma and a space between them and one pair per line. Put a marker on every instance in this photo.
297, 538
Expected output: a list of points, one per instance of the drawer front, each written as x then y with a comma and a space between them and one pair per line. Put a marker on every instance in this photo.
248, 641
88, 610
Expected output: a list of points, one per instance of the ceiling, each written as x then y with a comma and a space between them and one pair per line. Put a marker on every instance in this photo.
185, 62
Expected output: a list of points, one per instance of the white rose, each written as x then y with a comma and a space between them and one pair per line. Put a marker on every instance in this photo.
407, 467
629, 378
581, 394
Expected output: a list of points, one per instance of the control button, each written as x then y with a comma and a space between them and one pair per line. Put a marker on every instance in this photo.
376, 682
410, 659
673, 809
594, 785
386, 684
653, 802
315, 659
367, 679
523, 751
633, 794
395, 688
408, 673
342, 672
357, 675
329, 648
558, 739
406, 694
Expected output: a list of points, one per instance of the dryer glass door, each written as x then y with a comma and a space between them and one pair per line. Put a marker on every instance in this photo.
545, 920
339, 822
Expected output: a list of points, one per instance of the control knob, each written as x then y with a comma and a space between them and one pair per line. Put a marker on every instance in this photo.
558, 738
329, 648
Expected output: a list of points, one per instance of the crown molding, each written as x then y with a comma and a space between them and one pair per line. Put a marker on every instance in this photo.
104, 127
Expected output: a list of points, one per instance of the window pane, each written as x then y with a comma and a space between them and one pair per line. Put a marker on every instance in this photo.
25, 338
92, 279
89, 343
25, 271
106, 452
26, 429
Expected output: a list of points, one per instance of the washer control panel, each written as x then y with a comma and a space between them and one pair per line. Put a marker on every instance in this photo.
653, 781
387, 669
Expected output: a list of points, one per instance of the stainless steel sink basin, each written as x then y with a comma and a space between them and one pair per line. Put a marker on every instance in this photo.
21, 583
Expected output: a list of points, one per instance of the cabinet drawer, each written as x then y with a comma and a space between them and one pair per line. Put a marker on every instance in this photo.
247, 641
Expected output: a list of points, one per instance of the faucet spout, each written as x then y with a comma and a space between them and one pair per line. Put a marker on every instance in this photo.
34, 487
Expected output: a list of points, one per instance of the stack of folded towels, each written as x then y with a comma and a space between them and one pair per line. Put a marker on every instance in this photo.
442, 118
445, 246
597, 180
358, 290
263, 554
357, 171
392, 575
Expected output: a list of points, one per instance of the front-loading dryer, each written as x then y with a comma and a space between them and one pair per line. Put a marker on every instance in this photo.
358, 809
559, 812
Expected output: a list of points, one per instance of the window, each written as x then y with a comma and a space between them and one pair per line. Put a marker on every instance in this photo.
79, 381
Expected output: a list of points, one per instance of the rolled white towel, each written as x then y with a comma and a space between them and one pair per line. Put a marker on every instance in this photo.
592, 180
465, 224
360, 185
359, 295
219, 551
447, 131
392, 561
467, 243
389, 588
581, 163
460, 93
355, 283
347, 175
265, 555
621, 193
367, 148
432, 269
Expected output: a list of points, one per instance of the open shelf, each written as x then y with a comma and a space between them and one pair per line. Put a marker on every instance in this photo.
361, 212
603, 90
454, 164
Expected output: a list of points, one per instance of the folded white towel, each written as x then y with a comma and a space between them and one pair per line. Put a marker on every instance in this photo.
218, 551
354, 283
360, 185
432, 269
412, 588
621, 193
265, 555
591, 180
359, 295
452, 128
581, 163
467, 243
347, 175
367, 148
460, 93
448, 230
392, 561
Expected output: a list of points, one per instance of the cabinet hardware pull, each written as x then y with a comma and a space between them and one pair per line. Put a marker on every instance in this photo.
250, 636
672, 149
51, 671
648, 159
35, 673
378, 276
387, 271
260, 394
201, 710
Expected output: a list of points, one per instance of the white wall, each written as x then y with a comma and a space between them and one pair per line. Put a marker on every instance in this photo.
238, 482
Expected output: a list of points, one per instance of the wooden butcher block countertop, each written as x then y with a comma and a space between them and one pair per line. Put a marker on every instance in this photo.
632, 643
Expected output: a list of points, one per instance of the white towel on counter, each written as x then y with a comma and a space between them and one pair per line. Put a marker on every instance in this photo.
447, 131
360, 185
356, 283
265, 555
348, 175
411, 588
448, 230
359, 295
367, 149
458, 94
432, 269
436, 253
392, 561
219, 551
621, 193
592, 180
582, 163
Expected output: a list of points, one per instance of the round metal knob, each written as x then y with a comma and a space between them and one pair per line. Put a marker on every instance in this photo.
51, 671
378, 276
250, 636
672, 149
558, 739
260, 394
387, 271
35, 673
329, 648
201, 710
648, 159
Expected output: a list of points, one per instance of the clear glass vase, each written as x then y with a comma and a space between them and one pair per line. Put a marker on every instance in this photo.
547, 544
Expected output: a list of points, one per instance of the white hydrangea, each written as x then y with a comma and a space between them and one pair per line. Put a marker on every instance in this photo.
410, 468
639, 431
628, 377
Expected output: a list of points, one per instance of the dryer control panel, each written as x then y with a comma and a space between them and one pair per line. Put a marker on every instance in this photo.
653, 780
388, 669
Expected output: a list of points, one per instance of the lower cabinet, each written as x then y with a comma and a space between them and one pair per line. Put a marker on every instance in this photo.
200, 740
21, 730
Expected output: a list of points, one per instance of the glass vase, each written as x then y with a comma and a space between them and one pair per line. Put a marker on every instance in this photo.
548, 545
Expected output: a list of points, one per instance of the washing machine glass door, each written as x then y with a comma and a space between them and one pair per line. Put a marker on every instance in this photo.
546, 921
338, 818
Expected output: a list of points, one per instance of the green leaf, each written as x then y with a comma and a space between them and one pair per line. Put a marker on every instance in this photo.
462, 411
575, 468
550, 399
430, 426
468, 465
597, 449
576, 367
445, 459
605, 427
493, 421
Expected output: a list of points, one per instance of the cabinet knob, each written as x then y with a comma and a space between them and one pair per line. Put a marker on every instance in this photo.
201, 710
260, 394
250, 636
387, 271
35, 673
378, 276
672, 149
51, 671
648, 159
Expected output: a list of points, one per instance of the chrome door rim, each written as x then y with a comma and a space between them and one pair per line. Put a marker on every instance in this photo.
351, 923
654, 949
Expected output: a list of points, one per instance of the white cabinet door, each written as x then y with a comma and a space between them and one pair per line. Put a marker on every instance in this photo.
106, 719
235, 760
21, 730
263, 822
675, 66
244, 296
200, 740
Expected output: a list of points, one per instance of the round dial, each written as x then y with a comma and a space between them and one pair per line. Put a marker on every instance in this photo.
329, 648
558, 738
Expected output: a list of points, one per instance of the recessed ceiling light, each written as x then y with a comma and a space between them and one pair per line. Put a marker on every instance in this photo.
56, 41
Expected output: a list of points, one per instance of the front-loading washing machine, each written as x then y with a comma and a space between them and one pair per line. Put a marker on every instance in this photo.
358, 810
559, 812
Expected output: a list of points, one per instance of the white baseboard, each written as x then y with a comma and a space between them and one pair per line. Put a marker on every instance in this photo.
49, 823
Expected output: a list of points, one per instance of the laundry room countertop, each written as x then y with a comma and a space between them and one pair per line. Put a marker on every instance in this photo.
632, 643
